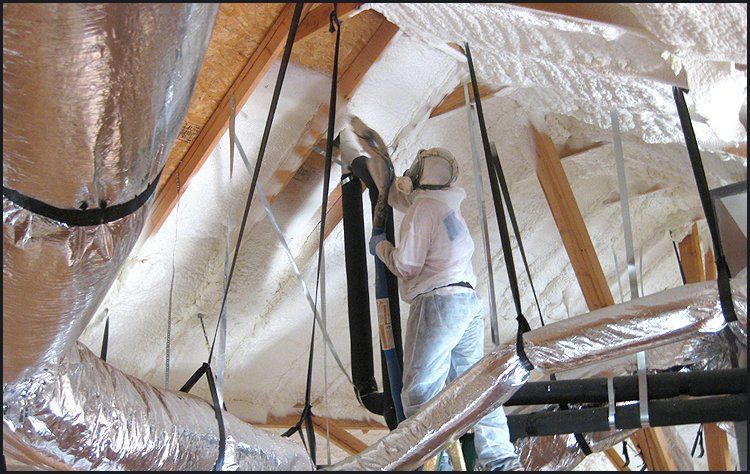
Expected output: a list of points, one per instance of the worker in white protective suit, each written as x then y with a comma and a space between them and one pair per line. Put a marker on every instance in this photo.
445, 331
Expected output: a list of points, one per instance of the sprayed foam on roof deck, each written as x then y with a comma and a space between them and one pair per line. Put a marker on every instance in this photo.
584, 68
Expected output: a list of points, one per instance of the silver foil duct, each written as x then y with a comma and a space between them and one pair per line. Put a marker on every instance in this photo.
88, 415
561, 452
93, 98
670, 316
646, 323
484, 387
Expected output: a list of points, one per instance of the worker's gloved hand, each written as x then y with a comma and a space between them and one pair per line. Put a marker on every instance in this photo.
375, 240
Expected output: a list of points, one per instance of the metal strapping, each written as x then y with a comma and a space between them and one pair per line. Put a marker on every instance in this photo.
482, 219
642, 389
632, 275
617, 272
292, 262
261, 152
171, 284
221, 348
624, 205
611, 399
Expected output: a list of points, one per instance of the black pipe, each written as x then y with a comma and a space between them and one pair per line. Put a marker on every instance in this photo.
660, 386
676, 411
358, 298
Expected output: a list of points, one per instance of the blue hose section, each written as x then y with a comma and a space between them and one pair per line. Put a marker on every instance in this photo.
389, 350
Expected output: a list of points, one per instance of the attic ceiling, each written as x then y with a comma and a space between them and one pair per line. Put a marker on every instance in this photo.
559, 66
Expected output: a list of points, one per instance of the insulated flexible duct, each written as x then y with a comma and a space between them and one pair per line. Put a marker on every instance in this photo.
93, 98
667, 317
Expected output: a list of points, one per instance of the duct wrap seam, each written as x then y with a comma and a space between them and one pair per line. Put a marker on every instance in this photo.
94, 96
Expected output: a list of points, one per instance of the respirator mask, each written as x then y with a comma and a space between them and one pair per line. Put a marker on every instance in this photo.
434, 168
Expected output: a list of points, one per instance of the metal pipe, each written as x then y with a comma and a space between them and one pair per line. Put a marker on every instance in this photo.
661, 413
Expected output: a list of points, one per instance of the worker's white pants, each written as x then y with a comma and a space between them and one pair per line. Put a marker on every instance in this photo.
445, 337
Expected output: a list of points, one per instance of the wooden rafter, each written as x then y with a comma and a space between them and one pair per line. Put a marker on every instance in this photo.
570, 223
457, 99
313, 137
285, 422
269, 49
588, 271
699, 268
339, 436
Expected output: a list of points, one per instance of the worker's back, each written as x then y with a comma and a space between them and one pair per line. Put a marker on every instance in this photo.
437, 233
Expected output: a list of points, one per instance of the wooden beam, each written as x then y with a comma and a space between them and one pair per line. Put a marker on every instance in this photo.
339, 436
318, 18
650, 441
717, 448
314, 134
699, 268
710, 265
616, 460
570, 223
587, 268
691, 256
456, 99
284, 422
256, 67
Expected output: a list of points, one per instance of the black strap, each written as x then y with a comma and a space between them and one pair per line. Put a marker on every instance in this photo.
105, 341
335, 26
261, 152
698, 442
514, 224
679, 260
523, 325
84, 216
625, 455
206, 369
722, 269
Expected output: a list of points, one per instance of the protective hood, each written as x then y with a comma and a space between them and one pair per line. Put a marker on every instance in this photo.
452, 197
433, 168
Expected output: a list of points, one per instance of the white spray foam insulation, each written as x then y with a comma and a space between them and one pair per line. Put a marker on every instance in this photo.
549, 68
582, 67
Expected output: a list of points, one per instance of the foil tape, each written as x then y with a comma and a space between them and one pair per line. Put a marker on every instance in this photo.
82, 413
481, 389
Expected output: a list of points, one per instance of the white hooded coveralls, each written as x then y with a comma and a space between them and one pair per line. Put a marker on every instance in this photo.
445, 330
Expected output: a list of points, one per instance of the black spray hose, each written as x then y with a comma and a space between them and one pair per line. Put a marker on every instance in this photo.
358, 298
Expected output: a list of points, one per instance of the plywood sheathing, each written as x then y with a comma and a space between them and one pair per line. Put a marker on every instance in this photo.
316, 51
238, 30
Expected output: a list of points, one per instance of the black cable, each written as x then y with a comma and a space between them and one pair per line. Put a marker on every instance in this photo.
523, 325
679, 261
722, 269
261, 152
105, 341
335, 26
514, 224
